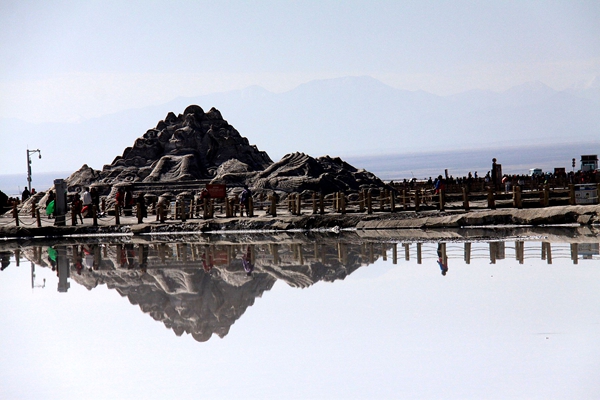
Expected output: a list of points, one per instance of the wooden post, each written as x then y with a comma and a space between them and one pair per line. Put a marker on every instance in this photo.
441, 200
417, 199
228, 211
183, 210
404, 202
33, 208
139, 213
163, 212
369, 202
314, 202
381, 199
321, 203
205, 208
95, 215
15, 213
490, 198
392, 202
117, 216
572, 194
343, 202
37, 217
273, 206
298, 204
546, 196
517, 197
261, 200
73, 218
250, 210
465, 194
103, 204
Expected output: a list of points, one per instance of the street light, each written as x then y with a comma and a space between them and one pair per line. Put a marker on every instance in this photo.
29, 164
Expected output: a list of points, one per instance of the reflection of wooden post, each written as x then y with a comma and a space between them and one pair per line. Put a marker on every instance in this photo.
406, 251
520, 251
467, 254
275, 252
572, 194
371, 254
465, 194
493, 246
383, 251
250, 211
419, 254
444, 254
548, 252
490, 198
543, 255
15, 213
103, 206
205, 208
395, 253
574, 253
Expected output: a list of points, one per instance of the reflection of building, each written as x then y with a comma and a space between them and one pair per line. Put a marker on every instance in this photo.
588, 250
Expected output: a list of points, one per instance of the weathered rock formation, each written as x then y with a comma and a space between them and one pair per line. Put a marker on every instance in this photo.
189, 146
202, 146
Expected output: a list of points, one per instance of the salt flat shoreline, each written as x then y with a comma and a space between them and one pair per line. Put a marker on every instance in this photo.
501, 220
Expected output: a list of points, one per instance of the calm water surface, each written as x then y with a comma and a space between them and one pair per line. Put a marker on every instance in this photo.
320, 317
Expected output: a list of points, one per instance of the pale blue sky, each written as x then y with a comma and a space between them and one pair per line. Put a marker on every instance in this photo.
72, 60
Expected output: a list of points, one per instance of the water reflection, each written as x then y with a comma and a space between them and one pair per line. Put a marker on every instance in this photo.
203, 285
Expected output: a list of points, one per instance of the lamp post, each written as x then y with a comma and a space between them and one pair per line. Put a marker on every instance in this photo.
29, 164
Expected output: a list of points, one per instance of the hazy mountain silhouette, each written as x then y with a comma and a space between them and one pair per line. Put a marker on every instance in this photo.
349, 116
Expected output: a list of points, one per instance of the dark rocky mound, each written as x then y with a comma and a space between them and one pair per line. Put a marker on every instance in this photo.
189, 146
298, 172
196, 145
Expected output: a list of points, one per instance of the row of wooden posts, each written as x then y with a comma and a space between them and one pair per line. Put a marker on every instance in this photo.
340, 202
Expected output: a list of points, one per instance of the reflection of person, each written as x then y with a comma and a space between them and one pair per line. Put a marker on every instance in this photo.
441, 258
246, 258
207, 266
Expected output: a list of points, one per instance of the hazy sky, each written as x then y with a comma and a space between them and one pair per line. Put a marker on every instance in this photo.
72, 60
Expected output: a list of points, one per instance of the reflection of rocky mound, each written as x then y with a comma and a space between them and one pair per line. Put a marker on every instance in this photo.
170, 283
298, 172
185, 147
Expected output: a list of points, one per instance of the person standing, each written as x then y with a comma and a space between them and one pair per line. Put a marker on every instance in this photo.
86, 199
245, 201
25, 195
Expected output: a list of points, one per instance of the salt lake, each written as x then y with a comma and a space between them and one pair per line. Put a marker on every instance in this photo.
300, 316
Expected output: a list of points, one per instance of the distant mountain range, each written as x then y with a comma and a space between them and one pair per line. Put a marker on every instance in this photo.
347, 117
